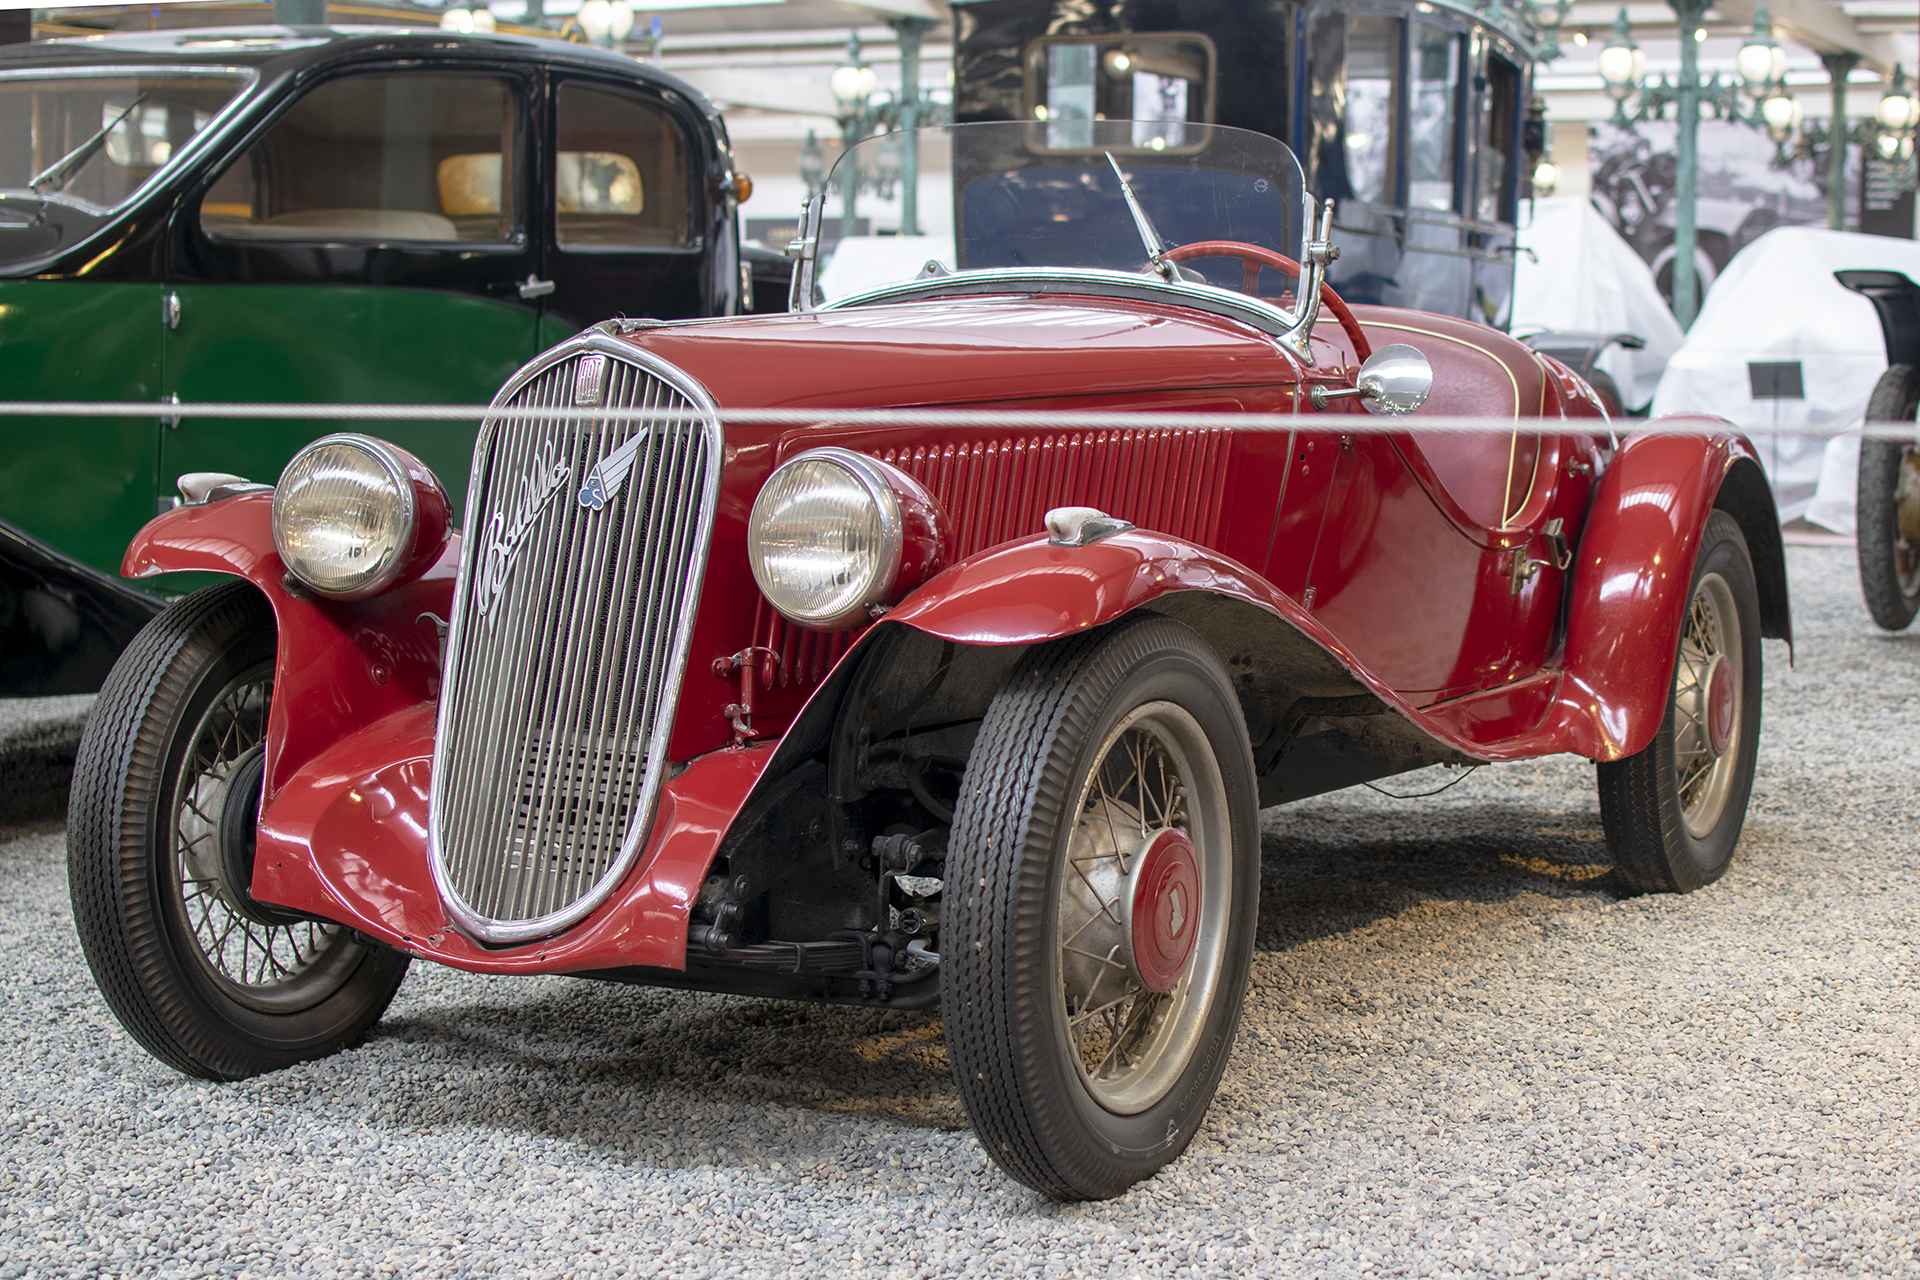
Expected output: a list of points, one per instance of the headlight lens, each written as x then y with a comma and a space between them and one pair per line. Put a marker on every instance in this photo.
344, 516
825, 538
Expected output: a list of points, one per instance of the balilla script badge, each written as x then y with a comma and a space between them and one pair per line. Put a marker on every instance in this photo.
508, 525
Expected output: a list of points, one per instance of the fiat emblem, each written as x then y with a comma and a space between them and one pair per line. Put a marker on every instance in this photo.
590, 380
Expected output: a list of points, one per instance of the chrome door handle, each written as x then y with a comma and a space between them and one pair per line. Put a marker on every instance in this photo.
534, 287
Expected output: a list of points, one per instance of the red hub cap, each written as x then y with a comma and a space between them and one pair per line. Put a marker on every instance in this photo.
1166, 909
1720, 706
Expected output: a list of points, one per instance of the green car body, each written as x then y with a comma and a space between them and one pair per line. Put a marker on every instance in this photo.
411, 293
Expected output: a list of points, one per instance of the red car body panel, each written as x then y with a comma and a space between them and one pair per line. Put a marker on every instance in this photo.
343, 664
1407, 580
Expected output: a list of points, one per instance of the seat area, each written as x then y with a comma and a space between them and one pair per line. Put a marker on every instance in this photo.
336, 224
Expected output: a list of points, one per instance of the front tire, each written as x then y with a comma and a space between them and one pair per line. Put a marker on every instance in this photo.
1672, 812
1888, 505
160, 856
1102, 887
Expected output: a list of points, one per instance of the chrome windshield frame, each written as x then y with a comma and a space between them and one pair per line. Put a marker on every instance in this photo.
1291, 329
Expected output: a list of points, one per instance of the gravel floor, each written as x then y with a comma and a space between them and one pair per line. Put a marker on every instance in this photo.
1464, 1054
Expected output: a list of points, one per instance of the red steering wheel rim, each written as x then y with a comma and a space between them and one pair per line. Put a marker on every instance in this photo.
1252, 253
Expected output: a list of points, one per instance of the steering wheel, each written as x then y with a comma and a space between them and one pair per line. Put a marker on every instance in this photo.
1252, 258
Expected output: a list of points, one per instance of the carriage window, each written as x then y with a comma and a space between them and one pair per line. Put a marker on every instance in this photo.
1435, 103
1373, 107
620, 175
386, 158
1498, 124
1164, 83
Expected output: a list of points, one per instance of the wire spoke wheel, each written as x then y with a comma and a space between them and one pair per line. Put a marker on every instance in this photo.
1673, 810
161, 837
1103, 876
1906, 523
1130, 1040
1709, 667
265, 963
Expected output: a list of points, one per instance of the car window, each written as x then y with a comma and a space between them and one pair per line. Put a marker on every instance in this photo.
1163, 81
1373, 106
1436, 105
411, 156
75, 147
1498, 124
620, 172
47, 124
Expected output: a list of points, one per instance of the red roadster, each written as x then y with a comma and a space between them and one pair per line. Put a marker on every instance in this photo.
899, 715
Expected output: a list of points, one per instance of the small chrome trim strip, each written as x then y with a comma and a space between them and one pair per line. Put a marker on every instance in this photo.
471, 921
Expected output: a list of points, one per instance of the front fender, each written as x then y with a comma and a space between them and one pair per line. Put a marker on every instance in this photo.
1032, 591
345, 664
1633, 570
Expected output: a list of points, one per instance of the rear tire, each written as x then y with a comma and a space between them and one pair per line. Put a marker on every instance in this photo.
1673, 811
160, 854
1888, 543
1102, 886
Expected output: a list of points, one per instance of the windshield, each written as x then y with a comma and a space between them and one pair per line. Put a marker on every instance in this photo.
73, 148
1054, 194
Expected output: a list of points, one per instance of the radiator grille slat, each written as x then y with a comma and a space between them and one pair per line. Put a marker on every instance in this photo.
568, 644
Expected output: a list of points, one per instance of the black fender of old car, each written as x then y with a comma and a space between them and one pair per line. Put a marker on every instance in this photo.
1896, 300
62, 623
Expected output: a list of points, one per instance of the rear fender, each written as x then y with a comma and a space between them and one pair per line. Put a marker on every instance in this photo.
345, 664
1634, 566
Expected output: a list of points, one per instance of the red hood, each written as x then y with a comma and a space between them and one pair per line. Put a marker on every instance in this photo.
965, 351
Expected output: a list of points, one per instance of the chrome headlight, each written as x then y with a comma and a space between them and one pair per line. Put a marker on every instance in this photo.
825, 538
834, 533
346, 516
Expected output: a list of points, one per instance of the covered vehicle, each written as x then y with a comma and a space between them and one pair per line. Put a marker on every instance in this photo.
740, 680
1776, 367
1581, 293
182, 212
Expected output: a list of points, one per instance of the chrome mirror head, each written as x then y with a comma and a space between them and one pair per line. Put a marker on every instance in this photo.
1396, 379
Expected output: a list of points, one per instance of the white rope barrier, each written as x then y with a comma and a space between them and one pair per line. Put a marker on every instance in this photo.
1104, 420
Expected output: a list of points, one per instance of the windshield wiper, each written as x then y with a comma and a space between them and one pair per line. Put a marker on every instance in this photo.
1156, 247
64, 167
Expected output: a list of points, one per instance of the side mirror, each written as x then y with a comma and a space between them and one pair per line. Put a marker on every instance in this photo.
1395, 380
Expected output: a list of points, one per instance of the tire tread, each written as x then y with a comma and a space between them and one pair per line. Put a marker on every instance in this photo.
118, 781
1877, 510
995, 1017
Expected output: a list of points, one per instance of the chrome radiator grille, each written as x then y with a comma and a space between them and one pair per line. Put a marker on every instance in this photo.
569, 638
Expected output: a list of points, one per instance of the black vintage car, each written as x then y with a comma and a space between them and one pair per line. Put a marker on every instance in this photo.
309, 215
1412, 115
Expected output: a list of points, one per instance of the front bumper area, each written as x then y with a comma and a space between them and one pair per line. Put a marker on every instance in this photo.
346, 839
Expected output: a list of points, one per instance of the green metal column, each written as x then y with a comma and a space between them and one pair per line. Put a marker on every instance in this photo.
850, 131
910, 31
1839, 67
1686, 284
300, 13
